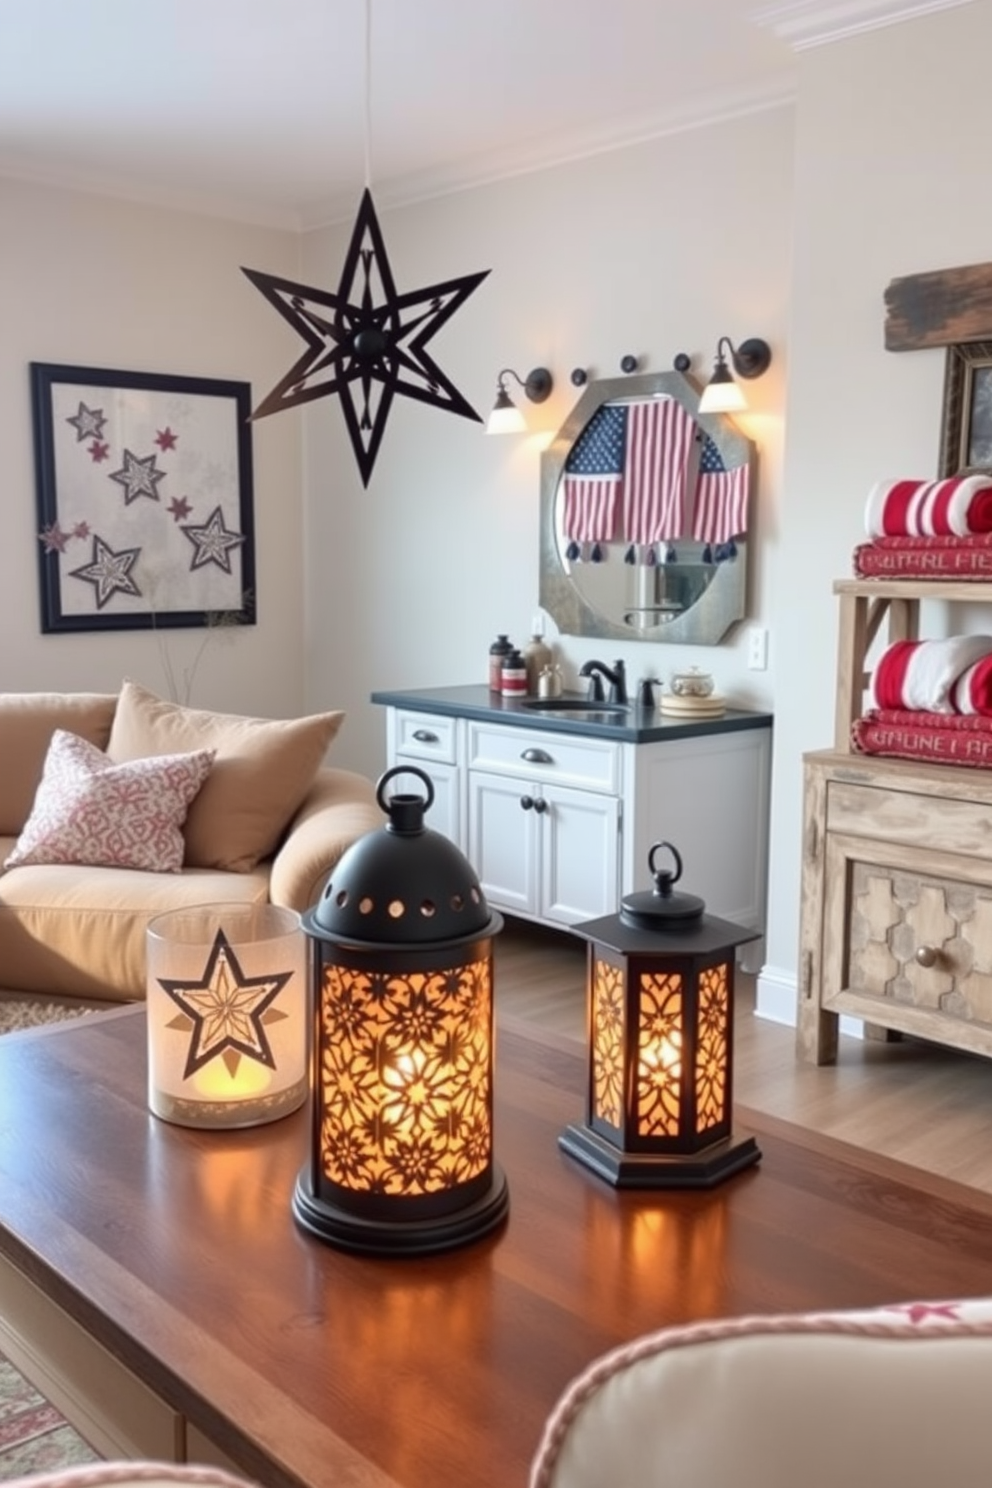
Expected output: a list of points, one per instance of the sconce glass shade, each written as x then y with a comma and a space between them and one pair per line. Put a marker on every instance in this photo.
506, 417
227, 989
722, 394
401, 1159
660, 1046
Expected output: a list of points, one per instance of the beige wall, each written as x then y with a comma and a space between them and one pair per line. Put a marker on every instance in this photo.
652, 250
88, 281
787, 224
891, 177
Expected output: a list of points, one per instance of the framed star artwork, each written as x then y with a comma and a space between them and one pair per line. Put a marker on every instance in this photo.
144, 499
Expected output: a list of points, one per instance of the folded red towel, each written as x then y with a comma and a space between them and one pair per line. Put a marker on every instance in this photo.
946, 676
959, 506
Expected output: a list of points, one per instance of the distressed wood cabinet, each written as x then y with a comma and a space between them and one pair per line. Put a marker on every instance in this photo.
896, 918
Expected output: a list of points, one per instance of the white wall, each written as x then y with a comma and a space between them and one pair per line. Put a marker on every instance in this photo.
88, 281
891, 171
651, 250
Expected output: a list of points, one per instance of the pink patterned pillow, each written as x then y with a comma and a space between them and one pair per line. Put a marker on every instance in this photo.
90, 811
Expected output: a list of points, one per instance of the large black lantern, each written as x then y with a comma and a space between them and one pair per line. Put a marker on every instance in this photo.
401, 1158
660, 1008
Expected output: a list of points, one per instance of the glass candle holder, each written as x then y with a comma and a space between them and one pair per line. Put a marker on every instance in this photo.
227, 1015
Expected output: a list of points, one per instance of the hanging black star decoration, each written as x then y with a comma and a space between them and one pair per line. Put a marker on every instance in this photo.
368, 336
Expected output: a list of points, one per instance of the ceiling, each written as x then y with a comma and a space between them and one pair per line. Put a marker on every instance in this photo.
262, 109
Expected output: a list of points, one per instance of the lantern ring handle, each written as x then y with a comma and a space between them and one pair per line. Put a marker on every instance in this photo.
404, 770
672, 877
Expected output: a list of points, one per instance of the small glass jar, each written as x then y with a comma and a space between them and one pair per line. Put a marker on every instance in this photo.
691, 682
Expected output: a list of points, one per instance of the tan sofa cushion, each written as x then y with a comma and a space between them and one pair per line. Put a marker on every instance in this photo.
263, 769
81, 933
27, 722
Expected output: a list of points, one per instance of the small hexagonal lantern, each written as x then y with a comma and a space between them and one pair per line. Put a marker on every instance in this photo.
401, 1159
660, 995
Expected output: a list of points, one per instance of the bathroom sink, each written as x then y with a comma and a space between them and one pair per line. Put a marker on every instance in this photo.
579, 708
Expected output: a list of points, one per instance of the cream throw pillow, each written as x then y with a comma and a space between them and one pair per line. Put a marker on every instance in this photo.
262, 771
90, 811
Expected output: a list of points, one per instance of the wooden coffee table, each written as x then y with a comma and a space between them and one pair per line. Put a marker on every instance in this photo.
156, 1275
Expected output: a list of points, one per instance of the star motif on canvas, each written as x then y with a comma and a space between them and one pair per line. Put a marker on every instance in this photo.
228, 1010
88, 423
366, 342
109, 572
213, 541
138, 477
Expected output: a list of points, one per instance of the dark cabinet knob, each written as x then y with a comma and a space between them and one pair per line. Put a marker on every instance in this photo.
527, 803
540, 807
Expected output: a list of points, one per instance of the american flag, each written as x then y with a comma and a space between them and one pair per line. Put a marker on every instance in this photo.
636, 455
721, 497
593, 477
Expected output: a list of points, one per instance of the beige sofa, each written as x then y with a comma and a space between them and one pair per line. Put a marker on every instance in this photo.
269, 823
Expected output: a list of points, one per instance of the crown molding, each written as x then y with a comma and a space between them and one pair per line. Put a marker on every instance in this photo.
524, 159
809, 23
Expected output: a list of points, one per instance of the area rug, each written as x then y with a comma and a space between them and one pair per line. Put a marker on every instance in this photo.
30, 1012
34, 1436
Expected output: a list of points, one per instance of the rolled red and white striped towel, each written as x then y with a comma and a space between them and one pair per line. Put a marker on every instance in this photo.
960, 506
947, 676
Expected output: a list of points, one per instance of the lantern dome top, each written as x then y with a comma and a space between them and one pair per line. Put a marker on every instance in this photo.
403, 885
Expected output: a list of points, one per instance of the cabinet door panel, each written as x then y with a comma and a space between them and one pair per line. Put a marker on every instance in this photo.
502, 846
580, 859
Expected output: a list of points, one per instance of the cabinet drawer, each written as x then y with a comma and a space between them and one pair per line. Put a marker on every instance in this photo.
908, 940
590, 764
425, 736
934, 823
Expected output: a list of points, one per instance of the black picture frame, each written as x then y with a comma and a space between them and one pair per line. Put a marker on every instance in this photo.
966, 424
144, 495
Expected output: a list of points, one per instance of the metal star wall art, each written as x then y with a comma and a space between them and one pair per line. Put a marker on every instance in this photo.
228, 1010
366, 342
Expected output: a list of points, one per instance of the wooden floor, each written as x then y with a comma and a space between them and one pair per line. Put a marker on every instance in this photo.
911, 1101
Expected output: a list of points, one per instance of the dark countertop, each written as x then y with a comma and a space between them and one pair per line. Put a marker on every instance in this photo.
637, 726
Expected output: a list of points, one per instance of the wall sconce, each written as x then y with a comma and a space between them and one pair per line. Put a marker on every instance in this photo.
401, 1160
506, 417
227, 1015
722, 394
659, 1009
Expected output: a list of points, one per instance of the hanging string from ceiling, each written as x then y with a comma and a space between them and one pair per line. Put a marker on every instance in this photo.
365, 342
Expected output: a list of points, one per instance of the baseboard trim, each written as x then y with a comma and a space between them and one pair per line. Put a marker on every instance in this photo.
775, 994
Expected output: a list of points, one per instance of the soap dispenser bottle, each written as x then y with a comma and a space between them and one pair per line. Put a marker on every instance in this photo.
537, 655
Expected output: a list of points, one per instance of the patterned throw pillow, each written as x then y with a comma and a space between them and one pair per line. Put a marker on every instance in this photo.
88, 810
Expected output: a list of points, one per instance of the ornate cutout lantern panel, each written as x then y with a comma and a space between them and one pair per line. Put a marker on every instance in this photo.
227, 1015
401, 1156
660, 1006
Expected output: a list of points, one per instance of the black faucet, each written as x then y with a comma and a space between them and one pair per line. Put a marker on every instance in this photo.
617, 679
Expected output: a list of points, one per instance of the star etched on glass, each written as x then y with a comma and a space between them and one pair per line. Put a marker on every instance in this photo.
228, 1010
366, 342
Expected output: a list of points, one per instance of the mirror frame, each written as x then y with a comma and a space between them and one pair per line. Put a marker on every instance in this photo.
724, 601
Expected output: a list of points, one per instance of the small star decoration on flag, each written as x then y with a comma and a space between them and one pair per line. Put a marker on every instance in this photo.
366, 342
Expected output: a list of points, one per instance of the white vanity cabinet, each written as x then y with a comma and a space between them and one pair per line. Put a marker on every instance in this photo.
543, 817
558, 817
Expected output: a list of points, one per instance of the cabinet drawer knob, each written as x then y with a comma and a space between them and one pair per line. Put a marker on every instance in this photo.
537, 757
926, 955
424, 736
527, 803
540, 806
